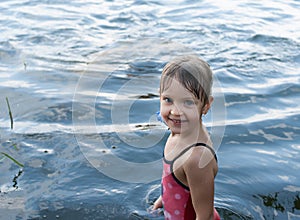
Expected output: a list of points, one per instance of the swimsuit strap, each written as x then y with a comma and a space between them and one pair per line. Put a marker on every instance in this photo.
181, 153
196, 145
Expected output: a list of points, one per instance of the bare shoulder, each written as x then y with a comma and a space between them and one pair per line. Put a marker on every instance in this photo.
201, 159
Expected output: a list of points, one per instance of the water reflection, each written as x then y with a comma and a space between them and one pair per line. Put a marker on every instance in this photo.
45, 46
282, 202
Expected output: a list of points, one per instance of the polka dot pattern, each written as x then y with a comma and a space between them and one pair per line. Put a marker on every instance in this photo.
174, 196
177, 196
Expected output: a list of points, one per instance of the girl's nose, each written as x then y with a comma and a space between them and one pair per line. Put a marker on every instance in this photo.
176, 111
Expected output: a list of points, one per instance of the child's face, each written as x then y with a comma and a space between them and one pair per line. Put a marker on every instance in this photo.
180, 109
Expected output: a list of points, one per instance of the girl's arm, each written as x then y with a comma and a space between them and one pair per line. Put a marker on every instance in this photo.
157, 204
200, 169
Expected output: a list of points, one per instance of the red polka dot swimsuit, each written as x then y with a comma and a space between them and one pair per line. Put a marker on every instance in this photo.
176, 196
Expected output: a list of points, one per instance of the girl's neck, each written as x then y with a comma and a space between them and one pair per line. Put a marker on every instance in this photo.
181, 141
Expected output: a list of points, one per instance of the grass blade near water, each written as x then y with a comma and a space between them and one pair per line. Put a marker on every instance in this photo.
13, 159
10, 114
11, 127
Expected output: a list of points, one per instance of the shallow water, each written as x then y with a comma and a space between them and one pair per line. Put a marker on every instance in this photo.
82, 80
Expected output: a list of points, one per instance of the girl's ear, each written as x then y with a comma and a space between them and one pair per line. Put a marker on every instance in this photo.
207, 106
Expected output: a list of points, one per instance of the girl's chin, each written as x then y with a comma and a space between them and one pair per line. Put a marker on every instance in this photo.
176, 130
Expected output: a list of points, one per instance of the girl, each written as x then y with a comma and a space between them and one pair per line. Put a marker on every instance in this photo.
189, 162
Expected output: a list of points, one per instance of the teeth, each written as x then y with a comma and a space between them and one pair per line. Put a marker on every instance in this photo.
177, 121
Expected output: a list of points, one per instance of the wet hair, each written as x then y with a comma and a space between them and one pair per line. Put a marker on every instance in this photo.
191, 72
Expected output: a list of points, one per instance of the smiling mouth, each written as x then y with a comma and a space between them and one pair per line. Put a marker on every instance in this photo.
177, 122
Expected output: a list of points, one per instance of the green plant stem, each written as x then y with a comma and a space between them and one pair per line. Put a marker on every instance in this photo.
13, 159
10, 115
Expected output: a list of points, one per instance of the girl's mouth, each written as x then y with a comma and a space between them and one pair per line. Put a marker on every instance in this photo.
177, 121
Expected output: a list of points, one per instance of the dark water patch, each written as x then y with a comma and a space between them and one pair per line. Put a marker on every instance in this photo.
112, 27
285, 90
272, 50
144, 109
60, 209
63, 33
30, 16
269, 40
9, 54
280, 99
148, 96
83, 211
13, 184
280, 204
297, 58
15, 179
153, 67
262, 57
61, 113
38, 39
123, 18
126, 146
43, 110
231, 215
99, 16
269, 147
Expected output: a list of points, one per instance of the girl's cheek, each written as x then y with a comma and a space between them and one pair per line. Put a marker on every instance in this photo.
163, 112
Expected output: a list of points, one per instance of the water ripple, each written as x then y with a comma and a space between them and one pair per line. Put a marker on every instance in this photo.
253, 48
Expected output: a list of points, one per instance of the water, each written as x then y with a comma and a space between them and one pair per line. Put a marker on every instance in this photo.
82, 80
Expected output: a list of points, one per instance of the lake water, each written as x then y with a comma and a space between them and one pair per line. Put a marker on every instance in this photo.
82, 80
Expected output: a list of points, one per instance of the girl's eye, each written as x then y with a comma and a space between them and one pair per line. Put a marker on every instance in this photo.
189, 102
167, 100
